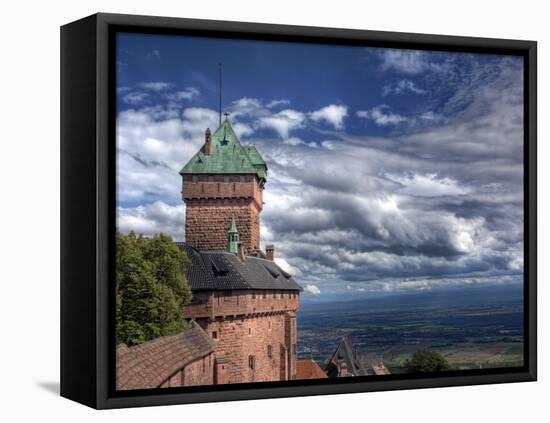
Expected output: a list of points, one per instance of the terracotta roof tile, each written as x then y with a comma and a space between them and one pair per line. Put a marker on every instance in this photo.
309, 369
149, 364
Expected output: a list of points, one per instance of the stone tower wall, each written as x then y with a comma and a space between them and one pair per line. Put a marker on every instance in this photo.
261, 324
212, 201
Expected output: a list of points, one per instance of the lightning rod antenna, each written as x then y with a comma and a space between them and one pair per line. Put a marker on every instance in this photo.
220, 105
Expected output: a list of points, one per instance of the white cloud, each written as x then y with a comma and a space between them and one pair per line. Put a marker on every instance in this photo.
189, 93
152, 219
246, 107
135, 98
402, 86
381, 116
408, 61
298, 141
242, 129
275, 103
154, 54
284, 121
287, 267
432, 117
428, 185
312, 289
154, 86
332, 114
197, 119
153, 144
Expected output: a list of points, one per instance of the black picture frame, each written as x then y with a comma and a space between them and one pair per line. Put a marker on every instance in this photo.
88, 208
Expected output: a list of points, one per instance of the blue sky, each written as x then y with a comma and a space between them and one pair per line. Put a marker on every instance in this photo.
389, 170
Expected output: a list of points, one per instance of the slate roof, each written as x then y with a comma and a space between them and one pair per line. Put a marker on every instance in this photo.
309, 369
220, 270
227, 156
345, 353
149, 364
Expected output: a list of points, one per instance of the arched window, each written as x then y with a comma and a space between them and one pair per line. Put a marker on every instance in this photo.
251, 362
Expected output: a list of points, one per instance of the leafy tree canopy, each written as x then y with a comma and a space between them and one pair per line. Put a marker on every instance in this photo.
151, 287
427, 361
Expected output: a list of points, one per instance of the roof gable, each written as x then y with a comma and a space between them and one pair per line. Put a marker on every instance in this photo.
344, 353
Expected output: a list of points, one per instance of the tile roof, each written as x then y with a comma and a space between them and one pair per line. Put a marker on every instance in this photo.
220, 270
227, 156
309, 369
149, 364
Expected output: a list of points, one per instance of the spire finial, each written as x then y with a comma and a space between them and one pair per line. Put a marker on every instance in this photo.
220, 104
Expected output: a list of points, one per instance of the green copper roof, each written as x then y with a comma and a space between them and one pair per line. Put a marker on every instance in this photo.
233, 228
227, 155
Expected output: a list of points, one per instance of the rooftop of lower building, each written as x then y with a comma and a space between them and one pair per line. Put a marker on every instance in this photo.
221, 270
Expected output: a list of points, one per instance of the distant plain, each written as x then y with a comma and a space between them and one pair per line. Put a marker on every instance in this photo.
474, 327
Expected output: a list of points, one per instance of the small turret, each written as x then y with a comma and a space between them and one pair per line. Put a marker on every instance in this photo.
233, 238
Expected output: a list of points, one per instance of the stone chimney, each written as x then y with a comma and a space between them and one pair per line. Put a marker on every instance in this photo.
241, 251
207, 142
270, 252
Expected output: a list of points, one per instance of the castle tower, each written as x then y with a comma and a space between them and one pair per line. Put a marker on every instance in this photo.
223, 181
241, 297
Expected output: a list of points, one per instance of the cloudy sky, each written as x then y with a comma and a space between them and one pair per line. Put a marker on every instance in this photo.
389, 170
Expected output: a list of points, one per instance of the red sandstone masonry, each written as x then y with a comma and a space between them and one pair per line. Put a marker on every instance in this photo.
199, 372
216, 304
249, 324
212, 201
207, 223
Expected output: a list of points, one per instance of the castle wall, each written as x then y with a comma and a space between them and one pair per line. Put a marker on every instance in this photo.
253, 347
198, 372
255, 330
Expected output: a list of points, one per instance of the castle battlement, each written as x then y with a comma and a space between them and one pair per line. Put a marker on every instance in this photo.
253, 303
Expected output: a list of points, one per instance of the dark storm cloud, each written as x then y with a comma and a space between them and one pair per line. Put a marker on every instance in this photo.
435, 201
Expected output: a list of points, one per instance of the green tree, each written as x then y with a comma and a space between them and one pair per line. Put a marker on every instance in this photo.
427, 361
151, 288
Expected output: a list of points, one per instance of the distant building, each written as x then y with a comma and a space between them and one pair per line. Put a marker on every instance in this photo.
345, 362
